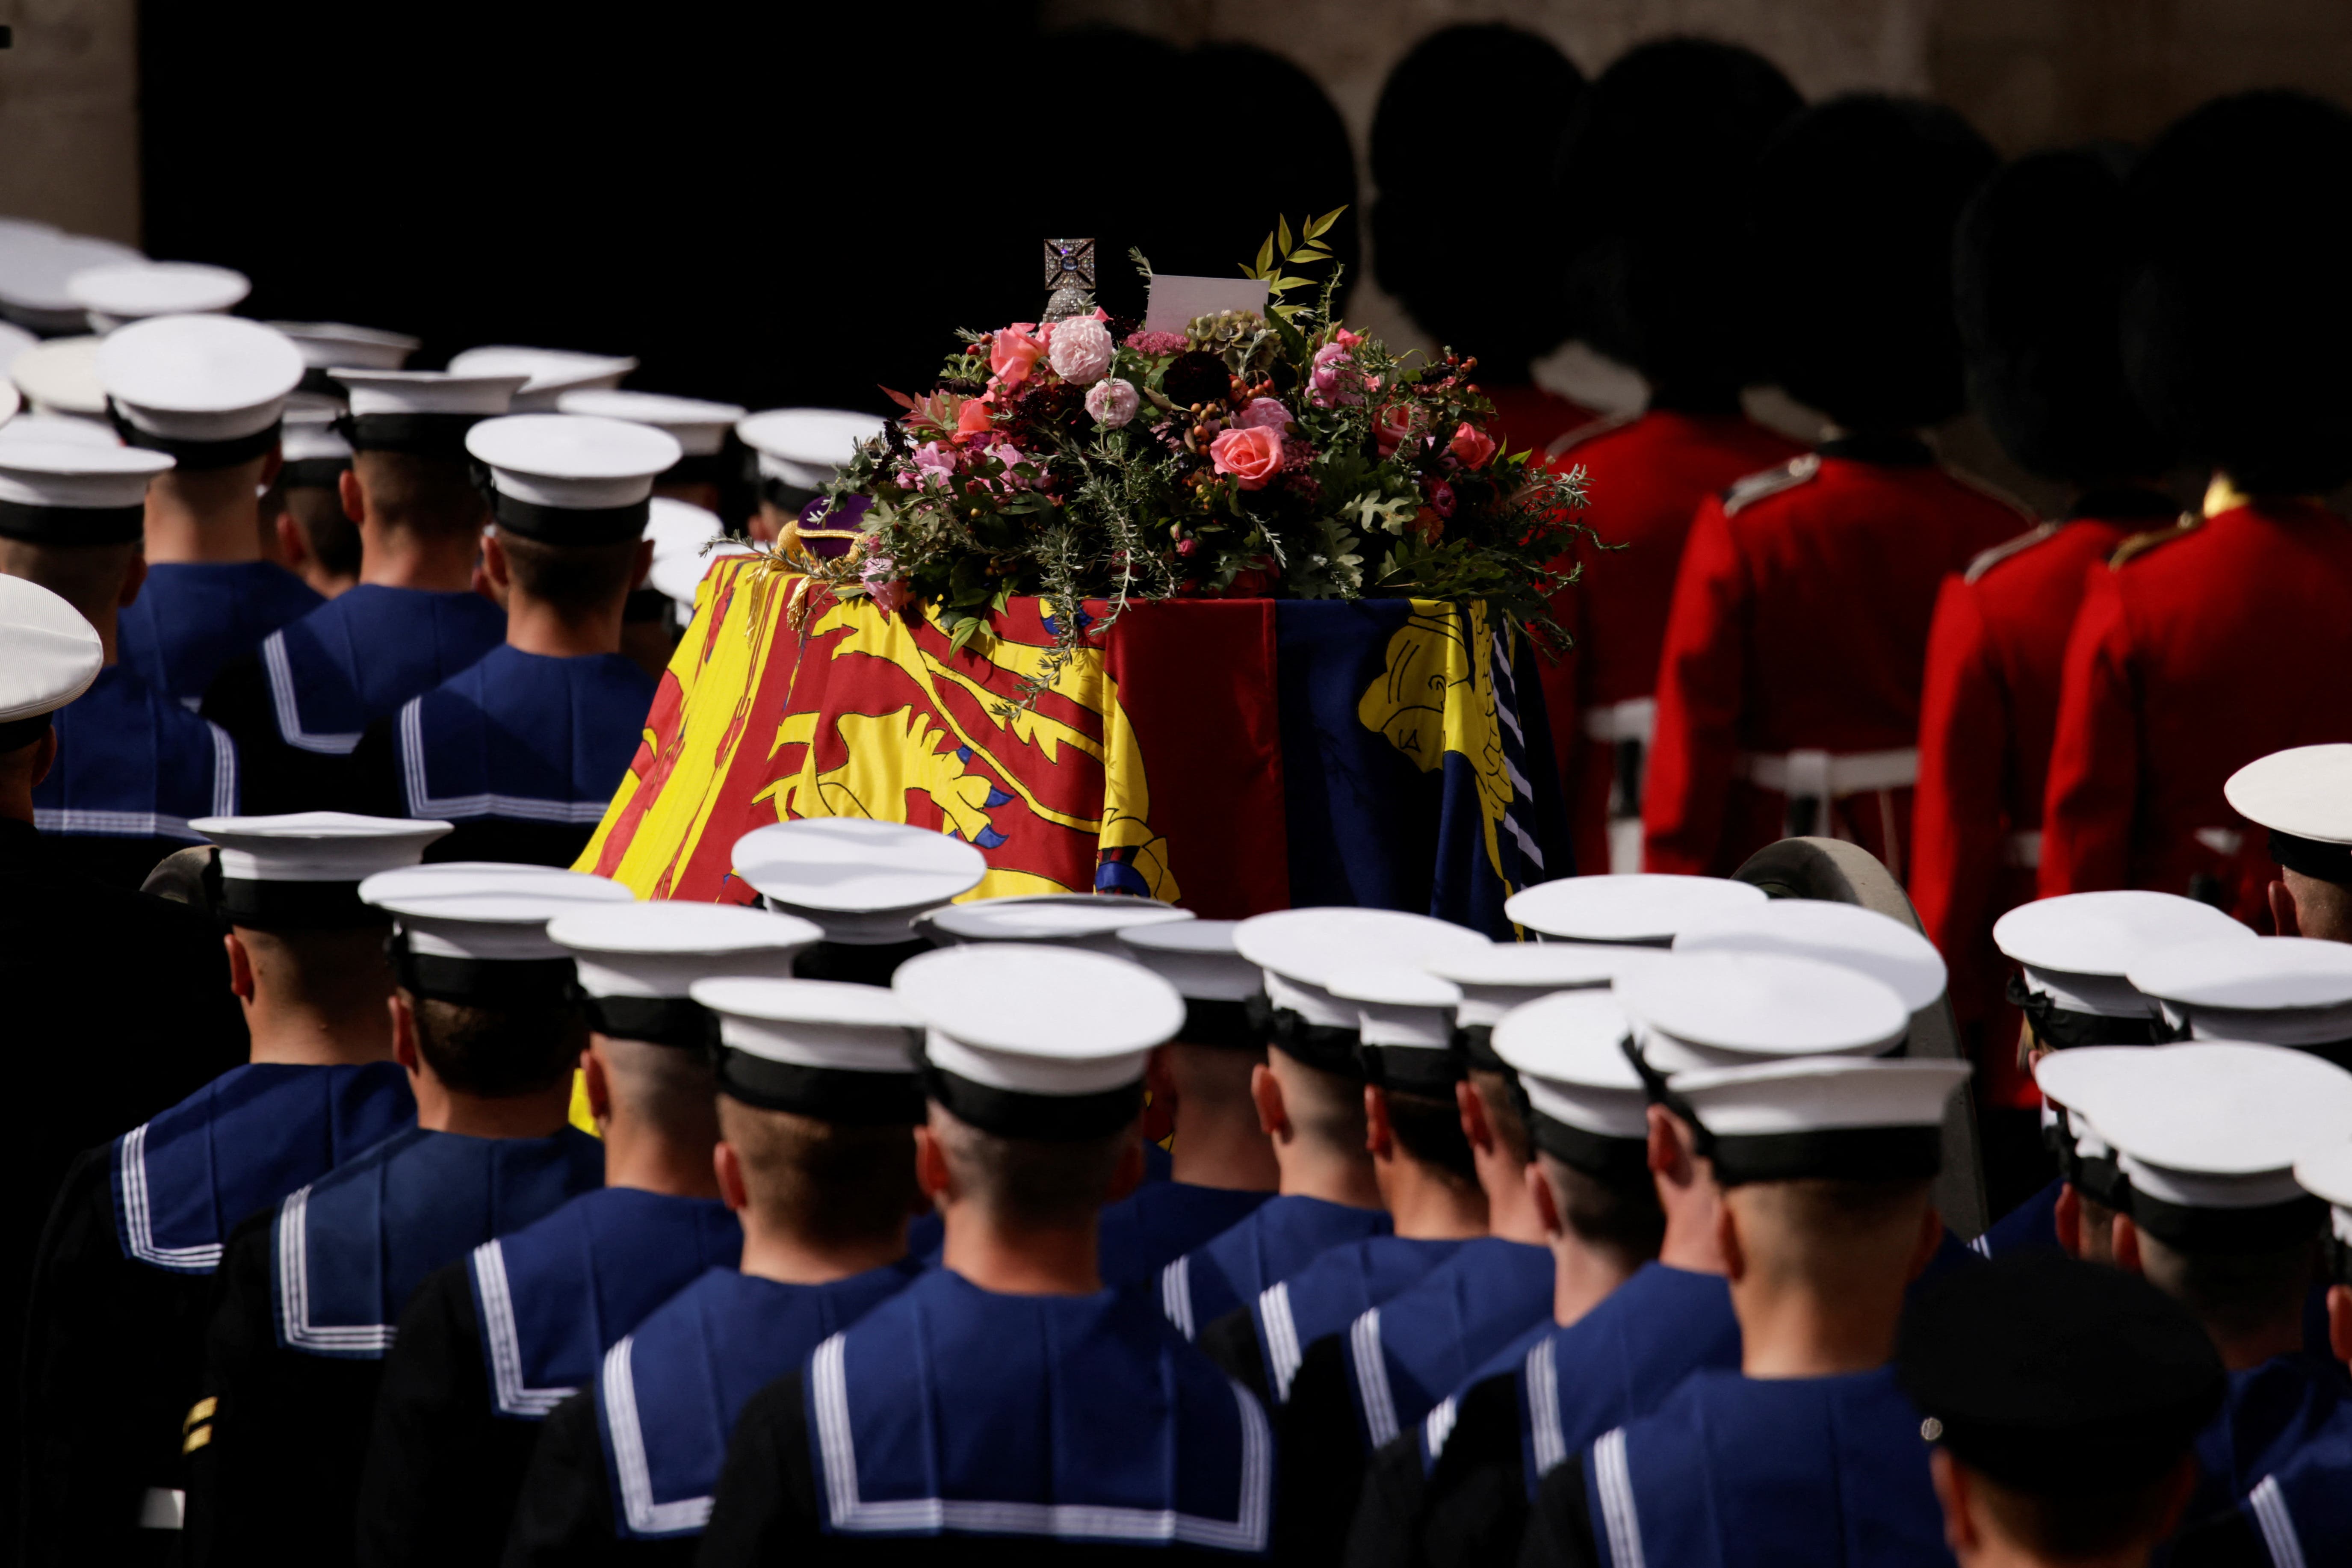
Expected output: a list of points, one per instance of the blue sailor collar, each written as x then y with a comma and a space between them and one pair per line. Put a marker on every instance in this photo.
1161, 1221
350, 1249
668, 1393
2270, 1412
552, 1297
1408, 1352
1330, 1293
183, 1181
1280, 1236
133, 764
2031, 1225
952, 1408
360, 655
2303, 1510
193, 618
525, 736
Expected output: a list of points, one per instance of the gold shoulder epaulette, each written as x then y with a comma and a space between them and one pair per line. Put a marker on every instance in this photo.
1748, 491
2140, 544
1988, 559
1570, 440
1991, 491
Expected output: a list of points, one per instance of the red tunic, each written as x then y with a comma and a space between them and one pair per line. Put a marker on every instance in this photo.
2191, 658
1528, 418
1647, 475
1987, 715
1794, 652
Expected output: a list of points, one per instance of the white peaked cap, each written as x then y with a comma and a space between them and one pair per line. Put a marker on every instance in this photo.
1056, 1022
36, 268
1847, 934
316, 846
373, 391
1704, 1010
2327, 1173
1397, 1005
2078, 948
864, 881
679, 530
1197, 957
13, 341
547, 373
58, 430
309, 435
806, 448
570, 460
1504, 974
199, 378
2074, 1082
1568, 1050
1644, 907
61, 376
465, 909
49, 654
2220, 1125
699, 427
329, 345
1299, 950
1819, 1094
2274, 989
2305, 791
1072, 919
134, 290
76, 475
660, 947
821, 1023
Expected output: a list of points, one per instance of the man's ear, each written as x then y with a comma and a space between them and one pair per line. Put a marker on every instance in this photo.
240, 967
598, 1083
931, 1166
1951, 1483
1668, 1158
293, 544
1931, 1237
272, 466
728, 1167
1266, 1093
2067, 1220
2282, 910
644, 564
1379, 1137
1726, 1241
496, 566
1473, 1108
2339, 1321
2127, 1257
134, 577
347, 491
1547, 1202
404, 1035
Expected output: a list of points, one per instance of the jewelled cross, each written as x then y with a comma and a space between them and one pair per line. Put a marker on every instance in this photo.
1070, 274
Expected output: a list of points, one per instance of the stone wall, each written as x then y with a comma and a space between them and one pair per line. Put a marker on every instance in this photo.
69, 115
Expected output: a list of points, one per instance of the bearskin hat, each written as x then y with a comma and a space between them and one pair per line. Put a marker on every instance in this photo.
2237, 325
2038, 275
1656, 163
1850, 246
1469, 127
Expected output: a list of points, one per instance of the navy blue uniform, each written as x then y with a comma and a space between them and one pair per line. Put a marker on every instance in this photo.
2272, 1414
2030, 1226
2298, 1516
1161, 1221
133, 769
1281, 1236
950, 1420
115, 1338
193, 618
1264, 1344
625, 1473
309, 1295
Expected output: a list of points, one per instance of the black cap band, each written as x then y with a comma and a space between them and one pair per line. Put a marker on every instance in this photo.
853, 963
1475, 1043
1038, 1118
570, 525
1412, 1069
1596, 1154
1835, 1154
312, 473
421, 434
483, 982
1225, 1024
2270, 1228
72, 524
2312, 856
197, 456
828, 1094
677, 1021
290, 906
2063, 1028
15, 734
1323, 1046
2099, 1178
718, 468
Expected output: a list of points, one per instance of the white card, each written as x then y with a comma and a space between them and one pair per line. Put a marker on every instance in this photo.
1177, 299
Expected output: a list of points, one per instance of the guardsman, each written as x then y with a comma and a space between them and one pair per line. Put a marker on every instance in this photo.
1655, 165
2039, 277
2302, 797
1006, 1395
300, 706
862, 883
116, 1325
485, 1022
2212, 644
489, 1346
817, 1104
134, 768
2063, 1400
1788, 681
524, 750
206, 391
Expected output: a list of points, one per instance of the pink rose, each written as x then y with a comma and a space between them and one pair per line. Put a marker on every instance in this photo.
1331, 381
1081, 351
972, 418
1393, 427
1346, 338
930, 457
1252, 456
1472, 445
1014, 350
1263, 412
1112, 402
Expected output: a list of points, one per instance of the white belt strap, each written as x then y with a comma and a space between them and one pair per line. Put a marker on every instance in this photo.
1635, 719
1832, 775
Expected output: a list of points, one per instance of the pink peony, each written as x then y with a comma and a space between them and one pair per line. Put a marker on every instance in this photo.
1014, 350
1263, 412
1156, 345
1472, 445
1112, 402
1331, 381
1081, 352
1253, 455
1393, 427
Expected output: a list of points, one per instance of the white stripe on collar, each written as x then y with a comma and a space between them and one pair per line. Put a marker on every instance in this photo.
1282, 1352
646, 1516
1176, 1294
280, 671
294, 1292
139, 1220
1619, 1516
1549, 1443
424, 804
508, 1390
1373, 1390
2276, 1523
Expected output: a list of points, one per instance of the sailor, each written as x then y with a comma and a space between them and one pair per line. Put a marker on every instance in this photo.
800, 451
134, 768
125, 1274
59, 381
709, 472
524, 749
122, 292
300, 706
2206, 645
488, 1346
63, 940
1655, 165
2092, 1190
1642, 909
548, 373
2038, 278
305, 528
2303, 798
1008, 1395
208, 391
1789, 678
1310, 1103
2290, 991
2062, 1400
1091, 920
1808, 1451
2074, 956
330, 346
1635, 1309
861, 882
35, 268
484, 1021
818, 1101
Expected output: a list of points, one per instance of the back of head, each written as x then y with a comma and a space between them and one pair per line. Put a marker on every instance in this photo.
1326, 1109
327, 531
824, 1182
86, 576
1850, 236
1831, 1235
2241, 1293
1429, 1131
668, 1089
1467, 242
575, 580
335, 973
2038, 276
425, 494
2238, 322
1617, 1209
1656, 167
1031, 1183
498, 1052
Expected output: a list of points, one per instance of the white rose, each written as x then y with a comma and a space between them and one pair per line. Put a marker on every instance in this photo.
1082, 351
1112, 402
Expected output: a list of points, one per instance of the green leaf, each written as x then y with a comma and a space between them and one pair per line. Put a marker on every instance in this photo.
1281, 232
1265, 256
1320, 225
965, 630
